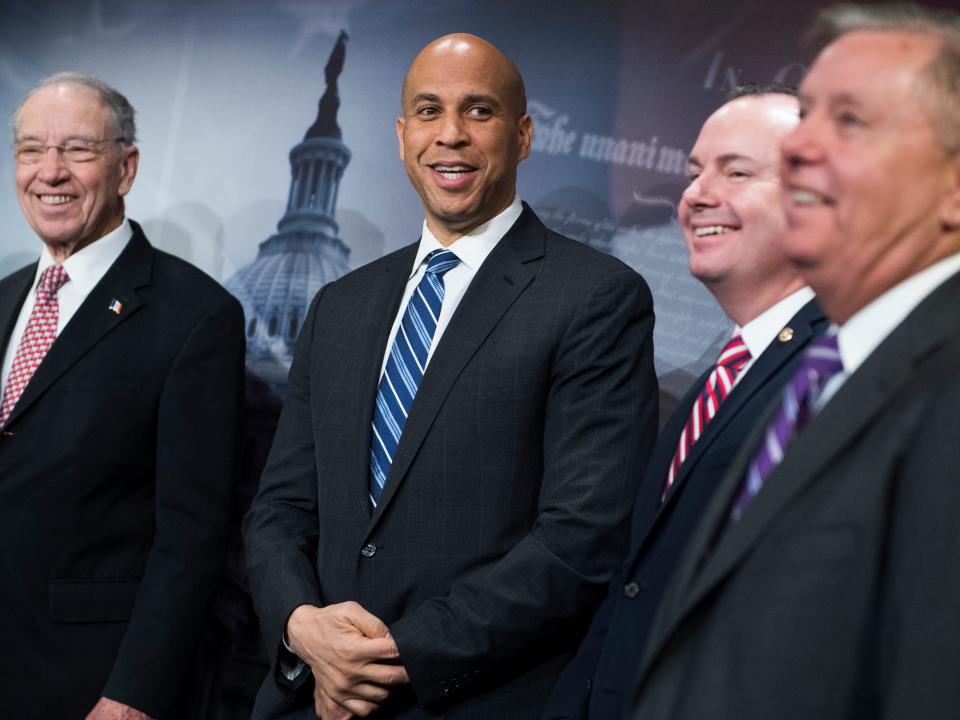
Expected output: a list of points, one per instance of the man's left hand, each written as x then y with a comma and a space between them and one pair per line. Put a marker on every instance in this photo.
107, 709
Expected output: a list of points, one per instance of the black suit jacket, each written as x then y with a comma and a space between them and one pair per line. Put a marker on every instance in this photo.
836, 594
505, 510
116, 467
598, 680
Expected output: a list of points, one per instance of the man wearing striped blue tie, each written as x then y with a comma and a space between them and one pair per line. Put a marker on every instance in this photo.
448, 491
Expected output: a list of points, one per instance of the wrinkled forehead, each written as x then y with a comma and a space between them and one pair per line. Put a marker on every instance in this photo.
64, 110
870, 64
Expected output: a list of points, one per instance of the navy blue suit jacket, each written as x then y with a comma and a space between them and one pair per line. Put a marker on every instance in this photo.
595, 683
508, 502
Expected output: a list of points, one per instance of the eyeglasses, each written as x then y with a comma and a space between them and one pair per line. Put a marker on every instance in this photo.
73, 151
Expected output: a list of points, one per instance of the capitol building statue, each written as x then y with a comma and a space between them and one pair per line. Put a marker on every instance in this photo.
305, 252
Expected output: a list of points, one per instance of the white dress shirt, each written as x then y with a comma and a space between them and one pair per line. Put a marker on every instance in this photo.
85, 268
472, 249
761, 331
859, 336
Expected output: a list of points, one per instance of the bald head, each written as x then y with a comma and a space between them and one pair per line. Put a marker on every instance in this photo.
460, 50
463, 132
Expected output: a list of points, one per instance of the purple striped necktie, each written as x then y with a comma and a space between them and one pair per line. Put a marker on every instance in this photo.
715, 390
821, 362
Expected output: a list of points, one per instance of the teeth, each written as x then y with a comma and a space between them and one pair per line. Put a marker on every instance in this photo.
713, 230
452, 170
806, 197
55, 199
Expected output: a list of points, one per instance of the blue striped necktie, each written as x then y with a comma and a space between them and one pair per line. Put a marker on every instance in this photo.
405, 366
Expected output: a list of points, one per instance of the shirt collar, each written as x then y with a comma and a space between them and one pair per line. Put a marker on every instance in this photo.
868, 327
474, 246
88, 265
760, 332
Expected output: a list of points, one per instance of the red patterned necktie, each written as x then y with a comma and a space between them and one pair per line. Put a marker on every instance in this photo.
719, 384
37, 338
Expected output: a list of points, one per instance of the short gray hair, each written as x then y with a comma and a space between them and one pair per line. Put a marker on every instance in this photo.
120, 109
939, 90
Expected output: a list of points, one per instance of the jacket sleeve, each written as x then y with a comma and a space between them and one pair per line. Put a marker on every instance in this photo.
280, 530
197, 436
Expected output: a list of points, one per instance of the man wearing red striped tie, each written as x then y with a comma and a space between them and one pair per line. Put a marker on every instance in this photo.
733, 221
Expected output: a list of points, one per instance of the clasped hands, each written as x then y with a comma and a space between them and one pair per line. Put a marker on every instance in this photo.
354, 660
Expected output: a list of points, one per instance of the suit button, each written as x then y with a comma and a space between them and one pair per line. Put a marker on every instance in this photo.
631, 590
369, 550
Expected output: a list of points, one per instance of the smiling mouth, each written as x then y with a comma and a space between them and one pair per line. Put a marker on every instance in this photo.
713, 230
54, 199
808, 198
452, 172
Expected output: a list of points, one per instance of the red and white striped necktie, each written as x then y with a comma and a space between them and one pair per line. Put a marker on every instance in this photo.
719, 384
37, 338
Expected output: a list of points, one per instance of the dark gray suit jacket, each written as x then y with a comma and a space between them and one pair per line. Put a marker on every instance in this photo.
116, 476
505, 510
836, 595
598, 681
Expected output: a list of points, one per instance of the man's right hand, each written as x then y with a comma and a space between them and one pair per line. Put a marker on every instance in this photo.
354, 660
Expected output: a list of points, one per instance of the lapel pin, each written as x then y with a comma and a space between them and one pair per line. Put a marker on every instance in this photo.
116, 307
786, 335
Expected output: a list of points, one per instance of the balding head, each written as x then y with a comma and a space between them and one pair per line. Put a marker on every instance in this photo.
463, 131
455, 48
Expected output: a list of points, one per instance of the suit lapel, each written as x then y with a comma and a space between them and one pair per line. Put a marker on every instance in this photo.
497, 284
718, 547
770, 362
11, 301
93, 319
649, 504
382, 304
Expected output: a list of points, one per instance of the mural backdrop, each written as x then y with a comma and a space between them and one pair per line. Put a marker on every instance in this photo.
268, 154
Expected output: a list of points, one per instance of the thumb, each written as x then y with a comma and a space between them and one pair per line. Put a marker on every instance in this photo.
366, 622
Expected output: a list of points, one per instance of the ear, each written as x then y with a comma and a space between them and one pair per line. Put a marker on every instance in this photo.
526, 136
950, 206
129, 163
400, 125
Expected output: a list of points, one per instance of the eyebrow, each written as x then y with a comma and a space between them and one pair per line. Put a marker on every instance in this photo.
68, 138
844, 97
466, 100
724, 159
488, 99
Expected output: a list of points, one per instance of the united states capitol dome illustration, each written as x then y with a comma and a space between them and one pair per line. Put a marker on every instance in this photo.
305, 253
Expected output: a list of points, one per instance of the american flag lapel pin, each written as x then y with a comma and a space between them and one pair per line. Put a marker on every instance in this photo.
116, 307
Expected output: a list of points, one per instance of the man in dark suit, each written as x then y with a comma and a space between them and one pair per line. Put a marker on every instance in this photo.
433, 546
822, 582
121, 390
733, 221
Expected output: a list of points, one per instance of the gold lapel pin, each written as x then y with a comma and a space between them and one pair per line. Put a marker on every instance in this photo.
786, 335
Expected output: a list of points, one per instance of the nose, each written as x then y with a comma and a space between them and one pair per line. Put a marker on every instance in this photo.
699, 193
453, 131
801, 145
52, 168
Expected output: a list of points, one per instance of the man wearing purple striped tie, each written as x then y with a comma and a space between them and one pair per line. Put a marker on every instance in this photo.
450, 485
822, 582
733, 222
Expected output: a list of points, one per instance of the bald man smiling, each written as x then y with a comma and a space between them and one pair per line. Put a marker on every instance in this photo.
447, 493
